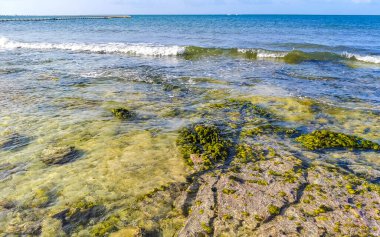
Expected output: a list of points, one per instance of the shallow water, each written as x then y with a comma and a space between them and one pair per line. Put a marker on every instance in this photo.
59, 82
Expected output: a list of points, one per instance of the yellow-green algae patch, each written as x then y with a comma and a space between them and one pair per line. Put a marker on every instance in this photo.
115, 170
324, 139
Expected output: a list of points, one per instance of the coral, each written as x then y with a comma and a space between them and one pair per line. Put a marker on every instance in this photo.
324, 139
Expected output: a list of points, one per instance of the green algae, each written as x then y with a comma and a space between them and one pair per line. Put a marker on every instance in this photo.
297, 56
245, 153
203, 140
193, 53
270, 129
228, 191
273, 210
123, 113
324, 139
105, 227
207, 228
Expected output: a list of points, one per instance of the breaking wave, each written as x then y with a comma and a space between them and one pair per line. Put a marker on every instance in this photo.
132, 49
190, 52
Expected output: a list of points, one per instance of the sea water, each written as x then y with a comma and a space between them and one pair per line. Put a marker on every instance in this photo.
59, 81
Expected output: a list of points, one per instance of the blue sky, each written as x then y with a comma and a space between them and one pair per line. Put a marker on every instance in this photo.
56, 7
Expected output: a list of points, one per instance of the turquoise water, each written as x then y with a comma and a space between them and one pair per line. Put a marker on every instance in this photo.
59, 81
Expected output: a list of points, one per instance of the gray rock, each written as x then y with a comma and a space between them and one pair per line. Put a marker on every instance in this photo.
59, 155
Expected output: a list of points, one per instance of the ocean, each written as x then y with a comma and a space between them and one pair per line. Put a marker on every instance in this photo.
60, 80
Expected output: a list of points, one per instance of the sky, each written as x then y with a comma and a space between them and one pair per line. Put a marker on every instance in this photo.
88, 7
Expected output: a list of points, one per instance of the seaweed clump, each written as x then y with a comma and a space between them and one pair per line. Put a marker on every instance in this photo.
205, 142
123, 113
271, 129
324, 139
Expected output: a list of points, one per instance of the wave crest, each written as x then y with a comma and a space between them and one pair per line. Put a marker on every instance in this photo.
190, 52
132, 49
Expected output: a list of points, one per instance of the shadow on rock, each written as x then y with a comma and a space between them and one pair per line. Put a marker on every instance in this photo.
14, 142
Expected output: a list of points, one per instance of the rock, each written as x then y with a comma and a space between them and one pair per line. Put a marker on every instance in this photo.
123, 113
78, 214
59, 155
23, 223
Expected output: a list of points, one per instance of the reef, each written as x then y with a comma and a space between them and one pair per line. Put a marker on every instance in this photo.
324, 139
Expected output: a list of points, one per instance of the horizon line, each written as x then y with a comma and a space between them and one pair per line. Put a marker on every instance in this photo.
191, 14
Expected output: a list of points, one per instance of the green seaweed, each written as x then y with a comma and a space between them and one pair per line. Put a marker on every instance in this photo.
228, 191
206, 228
123, 113
324, 139
269, 129
297, 56
321, 209
206, 141
105, 227
245, 153
273, 210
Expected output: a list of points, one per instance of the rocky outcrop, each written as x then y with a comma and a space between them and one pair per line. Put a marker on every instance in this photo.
59, 155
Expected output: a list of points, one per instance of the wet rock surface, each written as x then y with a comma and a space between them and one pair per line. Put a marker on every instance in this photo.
79, 215
266, 187
59, 155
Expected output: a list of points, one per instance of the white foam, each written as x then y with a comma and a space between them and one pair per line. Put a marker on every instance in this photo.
264, 53
270, 54
132, 49
363, 58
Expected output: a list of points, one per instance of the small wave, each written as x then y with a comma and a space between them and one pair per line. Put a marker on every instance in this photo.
132, 49
191, 52
363, 58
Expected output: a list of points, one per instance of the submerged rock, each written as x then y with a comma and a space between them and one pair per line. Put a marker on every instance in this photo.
14, 141
123, 113
8, 169
128, 232
79, 214
59, 155
23, 223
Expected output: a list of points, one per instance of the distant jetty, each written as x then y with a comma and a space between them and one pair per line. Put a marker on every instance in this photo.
62, 18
